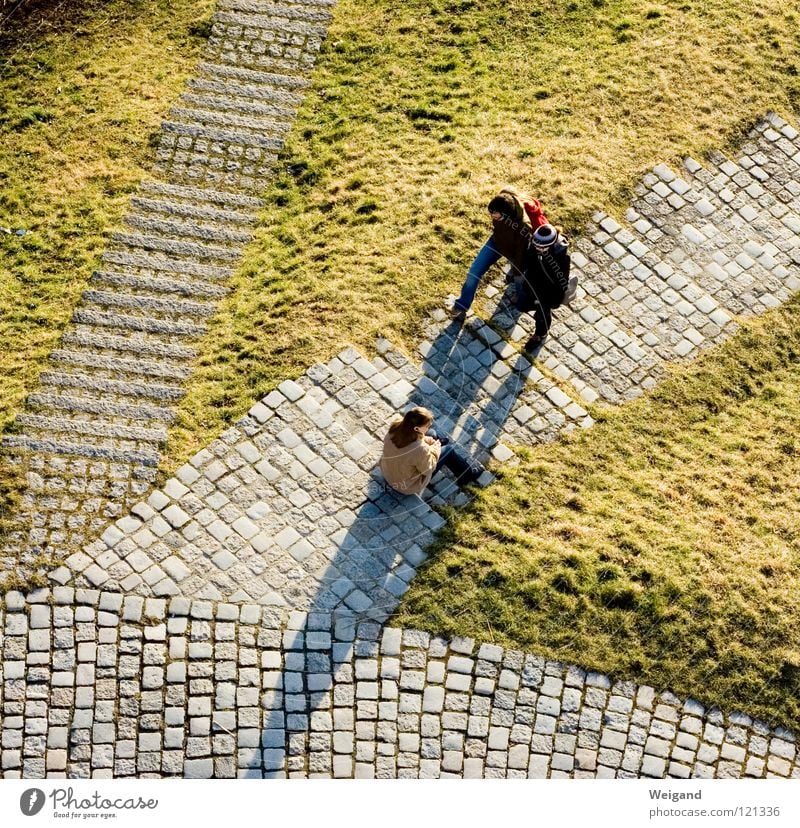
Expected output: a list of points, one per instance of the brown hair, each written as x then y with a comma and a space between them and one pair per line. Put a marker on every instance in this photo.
403, 431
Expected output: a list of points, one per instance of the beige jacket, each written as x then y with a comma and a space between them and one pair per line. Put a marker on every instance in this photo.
409, 469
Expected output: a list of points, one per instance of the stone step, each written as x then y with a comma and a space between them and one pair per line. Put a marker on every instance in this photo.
243, 91
318, 11
191, 210
98, 427
258, 124
733, 190
257, 54
777, 134
59, 447
224, 136
401, 383
136, 242
174, 229
627, 275
99, 405
151, 284
113, 365
250, 76
165, 264
158, 347
172, 307
761, 196
729, 196
203, 195
716, 260
243, 106
147, 324
168, 393
272, 23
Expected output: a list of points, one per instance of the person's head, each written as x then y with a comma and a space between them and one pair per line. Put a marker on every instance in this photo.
544, 237
504, 206
415, 422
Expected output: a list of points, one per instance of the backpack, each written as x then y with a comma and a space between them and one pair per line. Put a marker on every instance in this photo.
571, 290
560, 292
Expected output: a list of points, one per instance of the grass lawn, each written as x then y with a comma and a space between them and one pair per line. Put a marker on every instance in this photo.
83, 88
659, 545
420, 110
662, 544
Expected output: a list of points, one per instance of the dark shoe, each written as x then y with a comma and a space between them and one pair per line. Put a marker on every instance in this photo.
457, 314
473, 475
535, 344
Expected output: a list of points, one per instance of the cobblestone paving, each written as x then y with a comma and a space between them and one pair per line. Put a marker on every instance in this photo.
92, 432
287, 508
232, 622
699, 250
103, 684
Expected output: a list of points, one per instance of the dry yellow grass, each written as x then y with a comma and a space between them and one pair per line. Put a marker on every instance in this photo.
83, 87
419, 111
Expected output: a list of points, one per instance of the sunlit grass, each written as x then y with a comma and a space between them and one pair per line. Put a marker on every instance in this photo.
83, 89
662, 544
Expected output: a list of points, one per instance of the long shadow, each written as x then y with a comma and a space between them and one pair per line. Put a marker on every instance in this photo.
317, 699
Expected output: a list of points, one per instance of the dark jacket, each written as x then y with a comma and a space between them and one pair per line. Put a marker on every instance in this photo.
545, 277
511, 235
511, 239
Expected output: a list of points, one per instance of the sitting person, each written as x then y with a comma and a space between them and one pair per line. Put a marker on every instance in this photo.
514, 218
411, 456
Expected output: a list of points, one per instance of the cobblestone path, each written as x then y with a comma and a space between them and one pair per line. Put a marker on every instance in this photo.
103, 684
232, 622
91, 433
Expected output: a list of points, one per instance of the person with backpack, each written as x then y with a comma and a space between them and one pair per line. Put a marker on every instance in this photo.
411, 455
514, 218
545, 282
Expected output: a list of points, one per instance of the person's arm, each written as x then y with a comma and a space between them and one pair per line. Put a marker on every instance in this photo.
428, 456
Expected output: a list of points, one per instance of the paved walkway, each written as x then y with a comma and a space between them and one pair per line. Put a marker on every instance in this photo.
91, 434
101, 684
231, 622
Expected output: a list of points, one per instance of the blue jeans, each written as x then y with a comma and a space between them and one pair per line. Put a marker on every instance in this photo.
487, 256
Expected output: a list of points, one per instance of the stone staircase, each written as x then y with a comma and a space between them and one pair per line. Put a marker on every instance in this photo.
91, 435
287, 508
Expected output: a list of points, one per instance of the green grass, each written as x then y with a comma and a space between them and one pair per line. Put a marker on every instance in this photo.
83, 89
662, 544
420, 111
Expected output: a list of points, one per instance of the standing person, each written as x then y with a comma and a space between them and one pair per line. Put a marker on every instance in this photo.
514, 217
411, 456
544, 282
